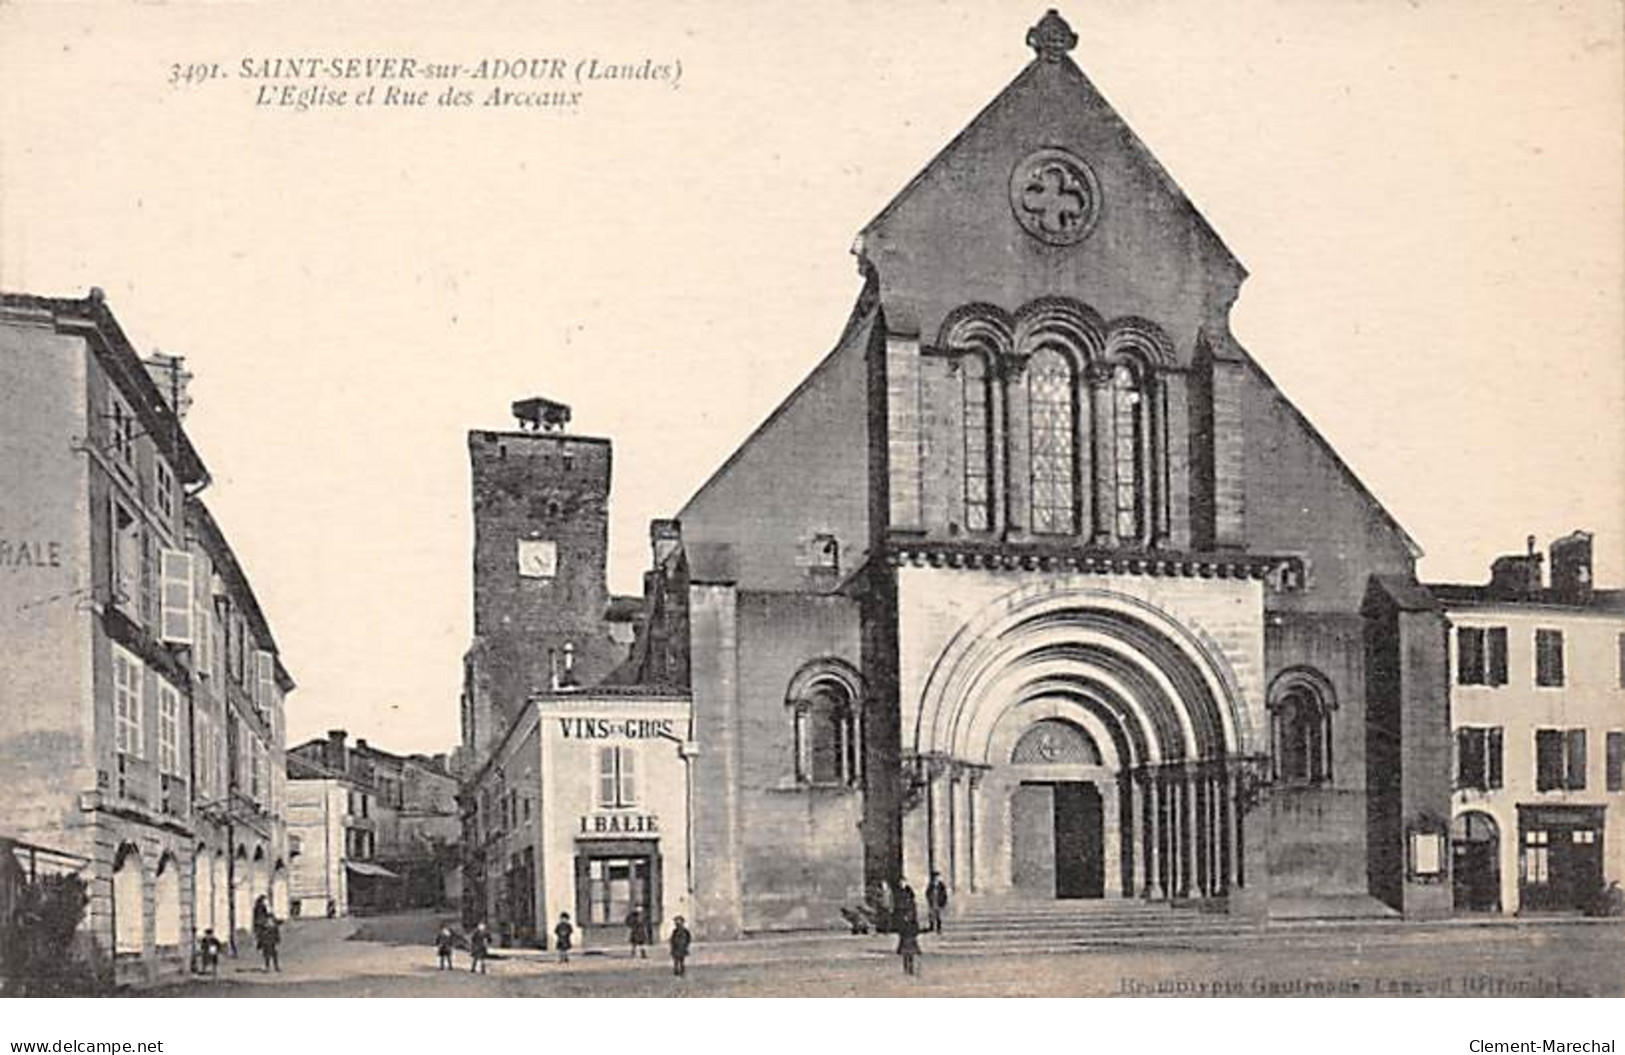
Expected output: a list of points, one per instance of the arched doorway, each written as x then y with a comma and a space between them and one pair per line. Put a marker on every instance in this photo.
166, 910
1057, 824
202, 891
1140, 736
242, 901
129, 916
279, 890
1475, 845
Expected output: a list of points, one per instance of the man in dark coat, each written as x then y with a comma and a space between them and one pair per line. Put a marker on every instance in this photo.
680, 939
637, 932
936, 899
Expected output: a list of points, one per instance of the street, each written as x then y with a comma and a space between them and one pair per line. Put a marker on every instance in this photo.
394, 956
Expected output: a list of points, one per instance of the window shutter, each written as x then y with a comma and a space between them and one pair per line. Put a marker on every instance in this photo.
1469, 656
176, 623
629, 781
1548, 759
1576, 750
1496, 776
1496, 642
606, 777
265, 683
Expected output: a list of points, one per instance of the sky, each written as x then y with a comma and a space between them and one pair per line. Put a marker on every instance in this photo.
1428, 196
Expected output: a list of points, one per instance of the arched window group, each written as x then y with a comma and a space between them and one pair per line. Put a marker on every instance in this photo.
1064, 406
1301, 705
824, 701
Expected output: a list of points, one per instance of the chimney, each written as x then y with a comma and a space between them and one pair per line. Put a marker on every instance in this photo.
1571, 568
336, 757
665, 536
169, 373
1517, 576
541, 415
360, 744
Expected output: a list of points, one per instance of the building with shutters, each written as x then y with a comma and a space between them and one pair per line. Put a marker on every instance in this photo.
1538, 713
1037, 582
141, 692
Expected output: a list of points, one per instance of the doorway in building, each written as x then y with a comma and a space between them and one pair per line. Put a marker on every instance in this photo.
614, 878
1475, 870
1057, 841
1560, 853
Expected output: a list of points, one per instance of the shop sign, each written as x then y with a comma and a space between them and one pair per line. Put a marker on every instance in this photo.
618, 728
618, 824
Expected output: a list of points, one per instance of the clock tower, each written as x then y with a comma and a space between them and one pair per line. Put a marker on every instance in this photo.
541, 537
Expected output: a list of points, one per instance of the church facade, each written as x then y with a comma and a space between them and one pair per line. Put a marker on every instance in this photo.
1039, 583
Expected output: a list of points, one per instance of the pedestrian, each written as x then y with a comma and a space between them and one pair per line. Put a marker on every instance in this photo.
562, 934
680, 939
908, 929
637, 932
936, 899
270, 937
209, 950
443, 944
887, 907
262, 912
479, 949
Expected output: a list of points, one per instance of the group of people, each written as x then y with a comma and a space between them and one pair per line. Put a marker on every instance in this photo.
902, 909
639, 927
267, 938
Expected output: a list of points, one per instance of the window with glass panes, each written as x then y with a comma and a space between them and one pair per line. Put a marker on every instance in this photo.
169, 729
617, 778
1481, 655
978, 502
127, 673
1128, 442
615, 885
1616, 761
1560, 759
1051, 392
1478, 758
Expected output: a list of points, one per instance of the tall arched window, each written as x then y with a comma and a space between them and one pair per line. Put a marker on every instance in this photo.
828, 728
166, 905
129, 919
202, 891
1128, 450
1301, 705
977, 427
1052, 410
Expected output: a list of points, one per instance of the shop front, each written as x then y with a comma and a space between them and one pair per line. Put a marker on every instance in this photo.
1560, 861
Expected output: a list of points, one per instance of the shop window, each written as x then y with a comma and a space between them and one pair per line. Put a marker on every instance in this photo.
1560, 759
977, 432
1549, 658
1052, 403
127, 676
1535, 862
1616, 761
1481, 655
616, 885
1478, 759
617, 778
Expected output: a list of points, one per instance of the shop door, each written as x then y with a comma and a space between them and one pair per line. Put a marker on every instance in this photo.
1561, 860
608, 886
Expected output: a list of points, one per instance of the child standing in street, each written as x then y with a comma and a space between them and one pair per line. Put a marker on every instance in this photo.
680, 939
562, 934
209, 950
442, 946
479, 948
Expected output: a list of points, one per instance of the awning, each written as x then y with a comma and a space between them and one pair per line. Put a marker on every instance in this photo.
365, 869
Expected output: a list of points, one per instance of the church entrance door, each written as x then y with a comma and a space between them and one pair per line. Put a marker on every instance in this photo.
1057, 840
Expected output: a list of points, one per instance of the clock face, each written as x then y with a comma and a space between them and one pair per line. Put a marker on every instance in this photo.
538, 558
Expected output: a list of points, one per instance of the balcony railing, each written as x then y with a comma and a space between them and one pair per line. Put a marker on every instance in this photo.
135, 780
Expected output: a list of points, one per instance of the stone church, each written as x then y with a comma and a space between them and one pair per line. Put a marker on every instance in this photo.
1038, 582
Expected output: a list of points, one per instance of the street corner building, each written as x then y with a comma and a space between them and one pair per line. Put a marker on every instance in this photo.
141, 692
1037, 582
1538, 712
